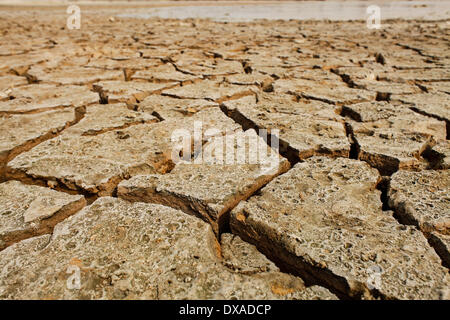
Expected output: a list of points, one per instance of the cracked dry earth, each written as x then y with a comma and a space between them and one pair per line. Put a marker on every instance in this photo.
87, 180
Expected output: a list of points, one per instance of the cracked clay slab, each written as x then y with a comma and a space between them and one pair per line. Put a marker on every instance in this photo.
100, 118
211, 186
74, 75
27, 211
323, 220
305, 128
123, 250
22, 132
209, 90
129, 91
423, 199
172, 108
96, 163
45, 97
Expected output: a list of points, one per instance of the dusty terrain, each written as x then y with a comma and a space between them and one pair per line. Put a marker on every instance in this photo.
358, 208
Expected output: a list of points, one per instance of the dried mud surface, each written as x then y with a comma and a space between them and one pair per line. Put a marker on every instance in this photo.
358, 207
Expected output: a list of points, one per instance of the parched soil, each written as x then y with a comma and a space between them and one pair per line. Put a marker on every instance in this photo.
357, 206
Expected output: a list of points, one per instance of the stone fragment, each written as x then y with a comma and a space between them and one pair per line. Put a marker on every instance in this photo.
323, 219
118, 53
157, 53
229, 169
314, 74
422, 199
11, 49
27, 211
399, 60
356, 73
117, 250
96, 163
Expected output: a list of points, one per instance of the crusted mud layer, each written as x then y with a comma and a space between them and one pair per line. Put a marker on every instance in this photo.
99, 201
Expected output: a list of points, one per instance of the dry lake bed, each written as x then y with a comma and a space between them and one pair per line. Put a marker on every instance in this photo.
95, 204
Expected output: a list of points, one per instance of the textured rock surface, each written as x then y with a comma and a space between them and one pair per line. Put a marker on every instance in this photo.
387, 89
384, 115
261, 80
440, 155
120, 61
127, 91
101, 118
243, 257
164, 73
74, 75
410, 75
27, 211
22, 132
104, 110
136, 251
389, 150
44, 97
171, 108
323, 219
97, 163
8, 82
305, 128
438, 87
209, 90
436, 105
391, 136
216, 184
422, 199
327, 91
